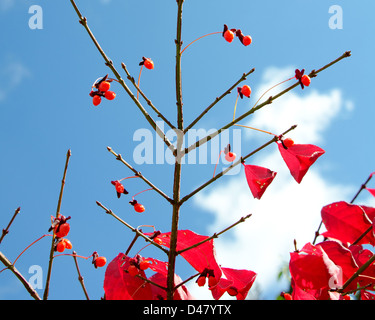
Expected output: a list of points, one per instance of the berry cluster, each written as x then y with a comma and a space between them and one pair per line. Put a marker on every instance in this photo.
229, 34
120, 189
137, 264
102, 87
209, 274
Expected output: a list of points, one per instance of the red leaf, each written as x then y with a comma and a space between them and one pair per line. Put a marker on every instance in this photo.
361, 256
372, 191
258, 179
201, 257
181, 293
341, 256
365, 295
158, 266
347, 222
299, 158
312, 269
119, 285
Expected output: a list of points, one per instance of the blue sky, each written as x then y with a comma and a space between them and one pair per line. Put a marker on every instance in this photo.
45, 110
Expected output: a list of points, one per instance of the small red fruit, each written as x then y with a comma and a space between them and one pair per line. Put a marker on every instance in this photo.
60, 247
139, 208
212, 281
246, 91
288, 142
143, 265
100, 262
246, 40
201, 281
149, 64
133, 270
229, 35
104, 86
68, 244
96, 100
62, 230
306, 80
230, 156
110, 95
158, 241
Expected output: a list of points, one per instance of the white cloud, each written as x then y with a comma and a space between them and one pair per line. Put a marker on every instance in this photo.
287, 210
12, 75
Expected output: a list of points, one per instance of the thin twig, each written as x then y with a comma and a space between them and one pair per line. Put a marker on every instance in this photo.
110, 212
136, 86
139, 174
234, 164
6, 230
187, 280
46, 289
80, 278
313, 73
12, 268
109, 63
243, 78
215, 235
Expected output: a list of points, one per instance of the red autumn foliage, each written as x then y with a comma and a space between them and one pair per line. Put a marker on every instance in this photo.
299, 158
258, 179
347, 222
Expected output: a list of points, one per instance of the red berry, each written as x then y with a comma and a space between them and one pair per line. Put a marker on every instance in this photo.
139, 208
133, 270
60, 247
229, 35
212, 281
96, 100
201, 281
288, 142
149, 64
246, 91
62, 230
158, 241
144, 265
306, 80
346, 297
68, 244
232, 291
104, 86
100, 262
110, 95
246, 40
230, 156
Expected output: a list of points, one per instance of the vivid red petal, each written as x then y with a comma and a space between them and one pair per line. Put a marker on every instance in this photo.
347, 222
119, 285
222, 286
341, 257
372, 191
201, 257
258, 179
158, 293
312, 269
158, 266
299, 158
242, 280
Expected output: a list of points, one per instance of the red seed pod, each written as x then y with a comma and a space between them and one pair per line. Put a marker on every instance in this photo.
104, 86
96, 100
247, 40
305, 80
110, 95
232, 291
100, 262
288, 142
246, 91
201, 281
